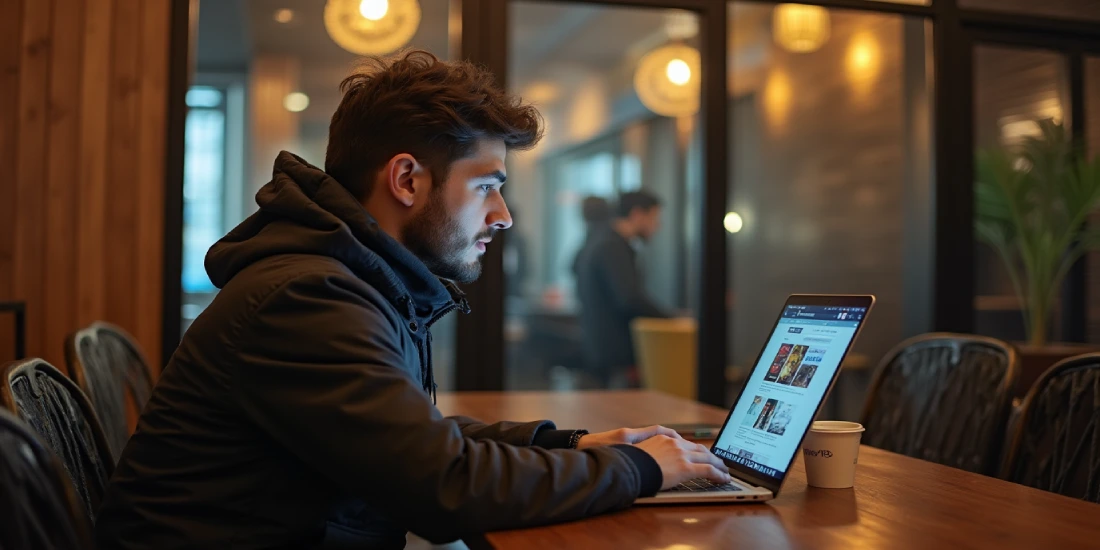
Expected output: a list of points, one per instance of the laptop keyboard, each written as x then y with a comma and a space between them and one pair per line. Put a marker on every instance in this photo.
702, 484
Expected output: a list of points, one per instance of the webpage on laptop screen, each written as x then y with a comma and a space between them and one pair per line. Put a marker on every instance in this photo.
785, 388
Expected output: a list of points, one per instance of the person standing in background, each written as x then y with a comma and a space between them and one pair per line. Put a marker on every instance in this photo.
596, 212
611, 290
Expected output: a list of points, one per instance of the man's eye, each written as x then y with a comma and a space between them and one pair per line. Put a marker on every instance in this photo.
487, 188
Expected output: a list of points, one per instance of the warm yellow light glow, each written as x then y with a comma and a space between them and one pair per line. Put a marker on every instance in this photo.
1051, 108
541, 92
800, 28
733, 222
374, 10
588, 110
665, 80
296, 102
678, 72
372, 27
863, 62
284, 15
777, 99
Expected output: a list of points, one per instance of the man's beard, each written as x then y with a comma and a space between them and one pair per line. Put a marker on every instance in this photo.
436, 238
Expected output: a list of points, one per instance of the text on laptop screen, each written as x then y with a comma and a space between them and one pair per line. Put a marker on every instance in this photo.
786, 386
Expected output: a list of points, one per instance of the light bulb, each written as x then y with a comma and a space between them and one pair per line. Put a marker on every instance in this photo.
296, 102
374, 9
733, 222
678, 72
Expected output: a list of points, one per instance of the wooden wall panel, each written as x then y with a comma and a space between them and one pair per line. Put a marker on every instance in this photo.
91, 192
121, 162
153, 119
30, 166
83, 111
11, 37
63, 132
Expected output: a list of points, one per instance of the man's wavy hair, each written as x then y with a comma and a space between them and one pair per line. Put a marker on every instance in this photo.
414, 103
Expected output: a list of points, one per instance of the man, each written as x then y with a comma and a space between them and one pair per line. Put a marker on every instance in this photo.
596, 213
611, 291
296, 411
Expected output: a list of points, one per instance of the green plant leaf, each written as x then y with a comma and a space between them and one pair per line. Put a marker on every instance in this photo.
1032, 206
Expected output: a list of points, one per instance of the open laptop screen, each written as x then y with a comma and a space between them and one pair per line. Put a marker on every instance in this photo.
787, 385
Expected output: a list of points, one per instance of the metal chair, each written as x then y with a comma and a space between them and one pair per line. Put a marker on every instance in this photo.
109, 367
65, 422
36, 500
944, 398
1056, 444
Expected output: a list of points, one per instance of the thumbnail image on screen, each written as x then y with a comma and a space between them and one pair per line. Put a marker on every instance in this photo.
780, 419
754, 411
765, 414
791, 365
804, 375
777, 363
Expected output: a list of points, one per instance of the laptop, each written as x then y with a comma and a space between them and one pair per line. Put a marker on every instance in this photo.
784, 392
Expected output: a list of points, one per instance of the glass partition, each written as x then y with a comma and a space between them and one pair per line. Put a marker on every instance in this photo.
830, 187
618, 88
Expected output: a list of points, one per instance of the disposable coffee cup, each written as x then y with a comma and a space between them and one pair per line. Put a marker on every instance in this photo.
830, 452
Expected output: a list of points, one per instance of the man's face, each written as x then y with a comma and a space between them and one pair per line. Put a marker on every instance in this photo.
450, 232
647, 222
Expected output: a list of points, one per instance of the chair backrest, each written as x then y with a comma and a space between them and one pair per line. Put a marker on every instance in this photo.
37, 503
109, 367
1056, 445
944, 398
666, 353
65, 422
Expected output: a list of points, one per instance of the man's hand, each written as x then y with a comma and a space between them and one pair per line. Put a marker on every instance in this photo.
682, 460
628, 436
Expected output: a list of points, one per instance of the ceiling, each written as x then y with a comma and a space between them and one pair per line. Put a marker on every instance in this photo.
223, 42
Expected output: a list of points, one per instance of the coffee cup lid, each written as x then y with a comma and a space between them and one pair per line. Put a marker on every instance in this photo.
836, 426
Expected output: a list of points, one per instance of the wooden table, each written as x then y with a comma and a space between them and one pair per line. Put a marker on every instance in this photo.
898, 502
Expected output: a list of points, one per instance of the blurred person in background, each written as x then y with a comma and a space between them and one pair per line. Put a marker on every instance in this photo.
611, 289
597, 215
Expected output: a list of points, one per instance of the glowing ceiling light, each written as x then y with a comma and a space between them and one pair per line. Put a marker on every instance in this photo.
665, 83
800, 28
372, 27
374, 10
678, 72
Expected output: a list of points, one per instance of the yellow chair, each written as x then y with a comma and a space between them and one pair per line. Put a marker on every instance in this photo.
666, 353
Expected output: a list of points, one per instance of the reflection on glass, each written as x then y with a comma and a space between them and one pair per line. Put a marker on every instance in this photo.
274, 72
1013, 88
605, 97
830, 176
1092, 145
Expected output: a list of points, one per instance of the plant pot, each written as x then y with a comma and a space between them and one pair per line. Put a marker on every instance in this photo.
1035, 360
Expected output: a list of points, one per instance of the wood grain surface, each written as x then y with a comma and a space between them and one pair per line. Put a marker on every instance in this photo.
898, 502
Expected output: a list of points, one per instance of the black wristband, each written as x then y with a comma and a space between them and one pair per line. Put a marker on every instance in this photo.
576, 438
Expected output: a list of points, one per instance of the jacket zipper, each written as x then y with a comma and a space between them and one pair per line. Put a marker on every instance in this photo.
428, 345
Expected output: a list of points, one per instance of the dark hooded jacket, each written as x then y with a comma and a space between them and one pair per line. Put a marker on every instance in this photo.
296, 412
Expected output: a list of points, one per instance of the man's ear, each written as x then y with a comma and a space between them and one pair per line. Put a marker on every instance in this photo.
404, 178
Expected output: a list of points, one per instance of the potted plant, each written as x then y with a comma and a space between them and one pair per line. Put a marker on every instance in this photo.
1032, 206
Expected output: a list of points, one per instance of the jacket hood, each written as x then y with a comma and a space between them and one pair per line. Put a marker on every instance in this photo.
303, 210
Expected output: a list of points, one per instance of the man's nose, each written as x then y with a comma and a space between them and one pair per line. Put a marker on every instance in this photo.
499, 216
